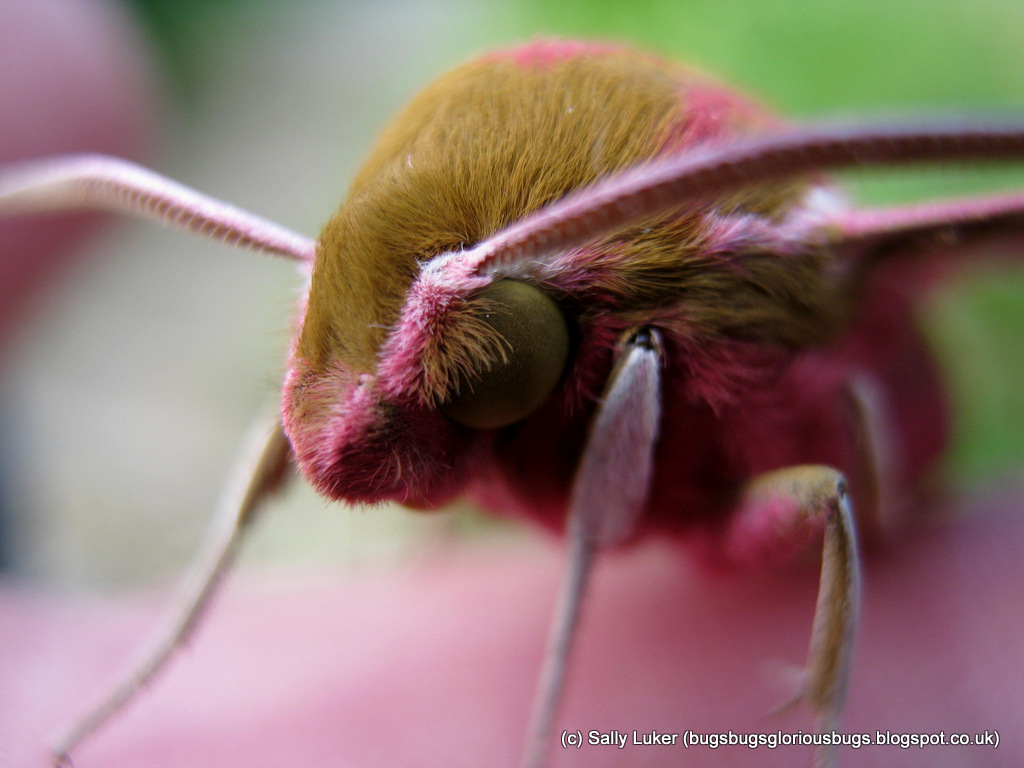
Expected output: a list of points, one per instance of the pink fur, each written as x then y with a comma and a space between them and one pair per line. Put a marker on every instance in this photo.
545, 53
771, 533
441, 286
365, 449
711, 110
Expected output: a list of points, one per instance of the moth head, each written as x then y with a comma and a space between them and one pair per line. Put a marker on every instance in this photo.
412, 350
466, 355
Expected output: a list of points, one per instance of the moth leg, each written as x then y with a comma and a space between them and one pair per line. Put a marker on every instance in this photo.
260, 469
781, 512
876, 491
608, 496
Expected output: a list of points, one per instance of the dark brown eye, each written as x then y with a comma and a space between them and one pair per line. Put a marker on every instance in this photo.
537, 347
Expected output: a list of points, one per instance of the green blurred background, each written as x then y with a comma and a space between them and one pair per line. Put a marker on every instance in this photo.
271, 104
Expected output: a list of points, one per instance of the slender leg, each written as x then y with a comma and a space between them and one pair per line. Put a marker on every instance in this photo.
780, 513
876, 491
609, 493
260, 470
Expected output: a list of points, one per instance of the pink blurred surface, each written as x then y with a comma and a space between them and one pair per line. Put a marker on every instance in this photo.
435, 663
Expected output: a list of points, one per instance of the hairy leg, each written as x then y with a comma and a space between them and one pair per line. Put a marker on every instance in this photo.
781, 514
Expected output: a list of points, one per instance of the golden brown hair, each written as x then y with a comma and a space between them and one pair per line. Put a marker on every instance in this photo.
494, 140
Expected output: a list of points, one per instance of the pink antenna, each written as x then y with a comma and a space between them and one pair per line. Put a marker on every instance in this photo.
664, 185
109, 183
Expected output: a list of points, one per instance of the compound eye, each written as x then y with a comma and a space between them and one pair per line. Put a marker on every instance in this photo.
536, 344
